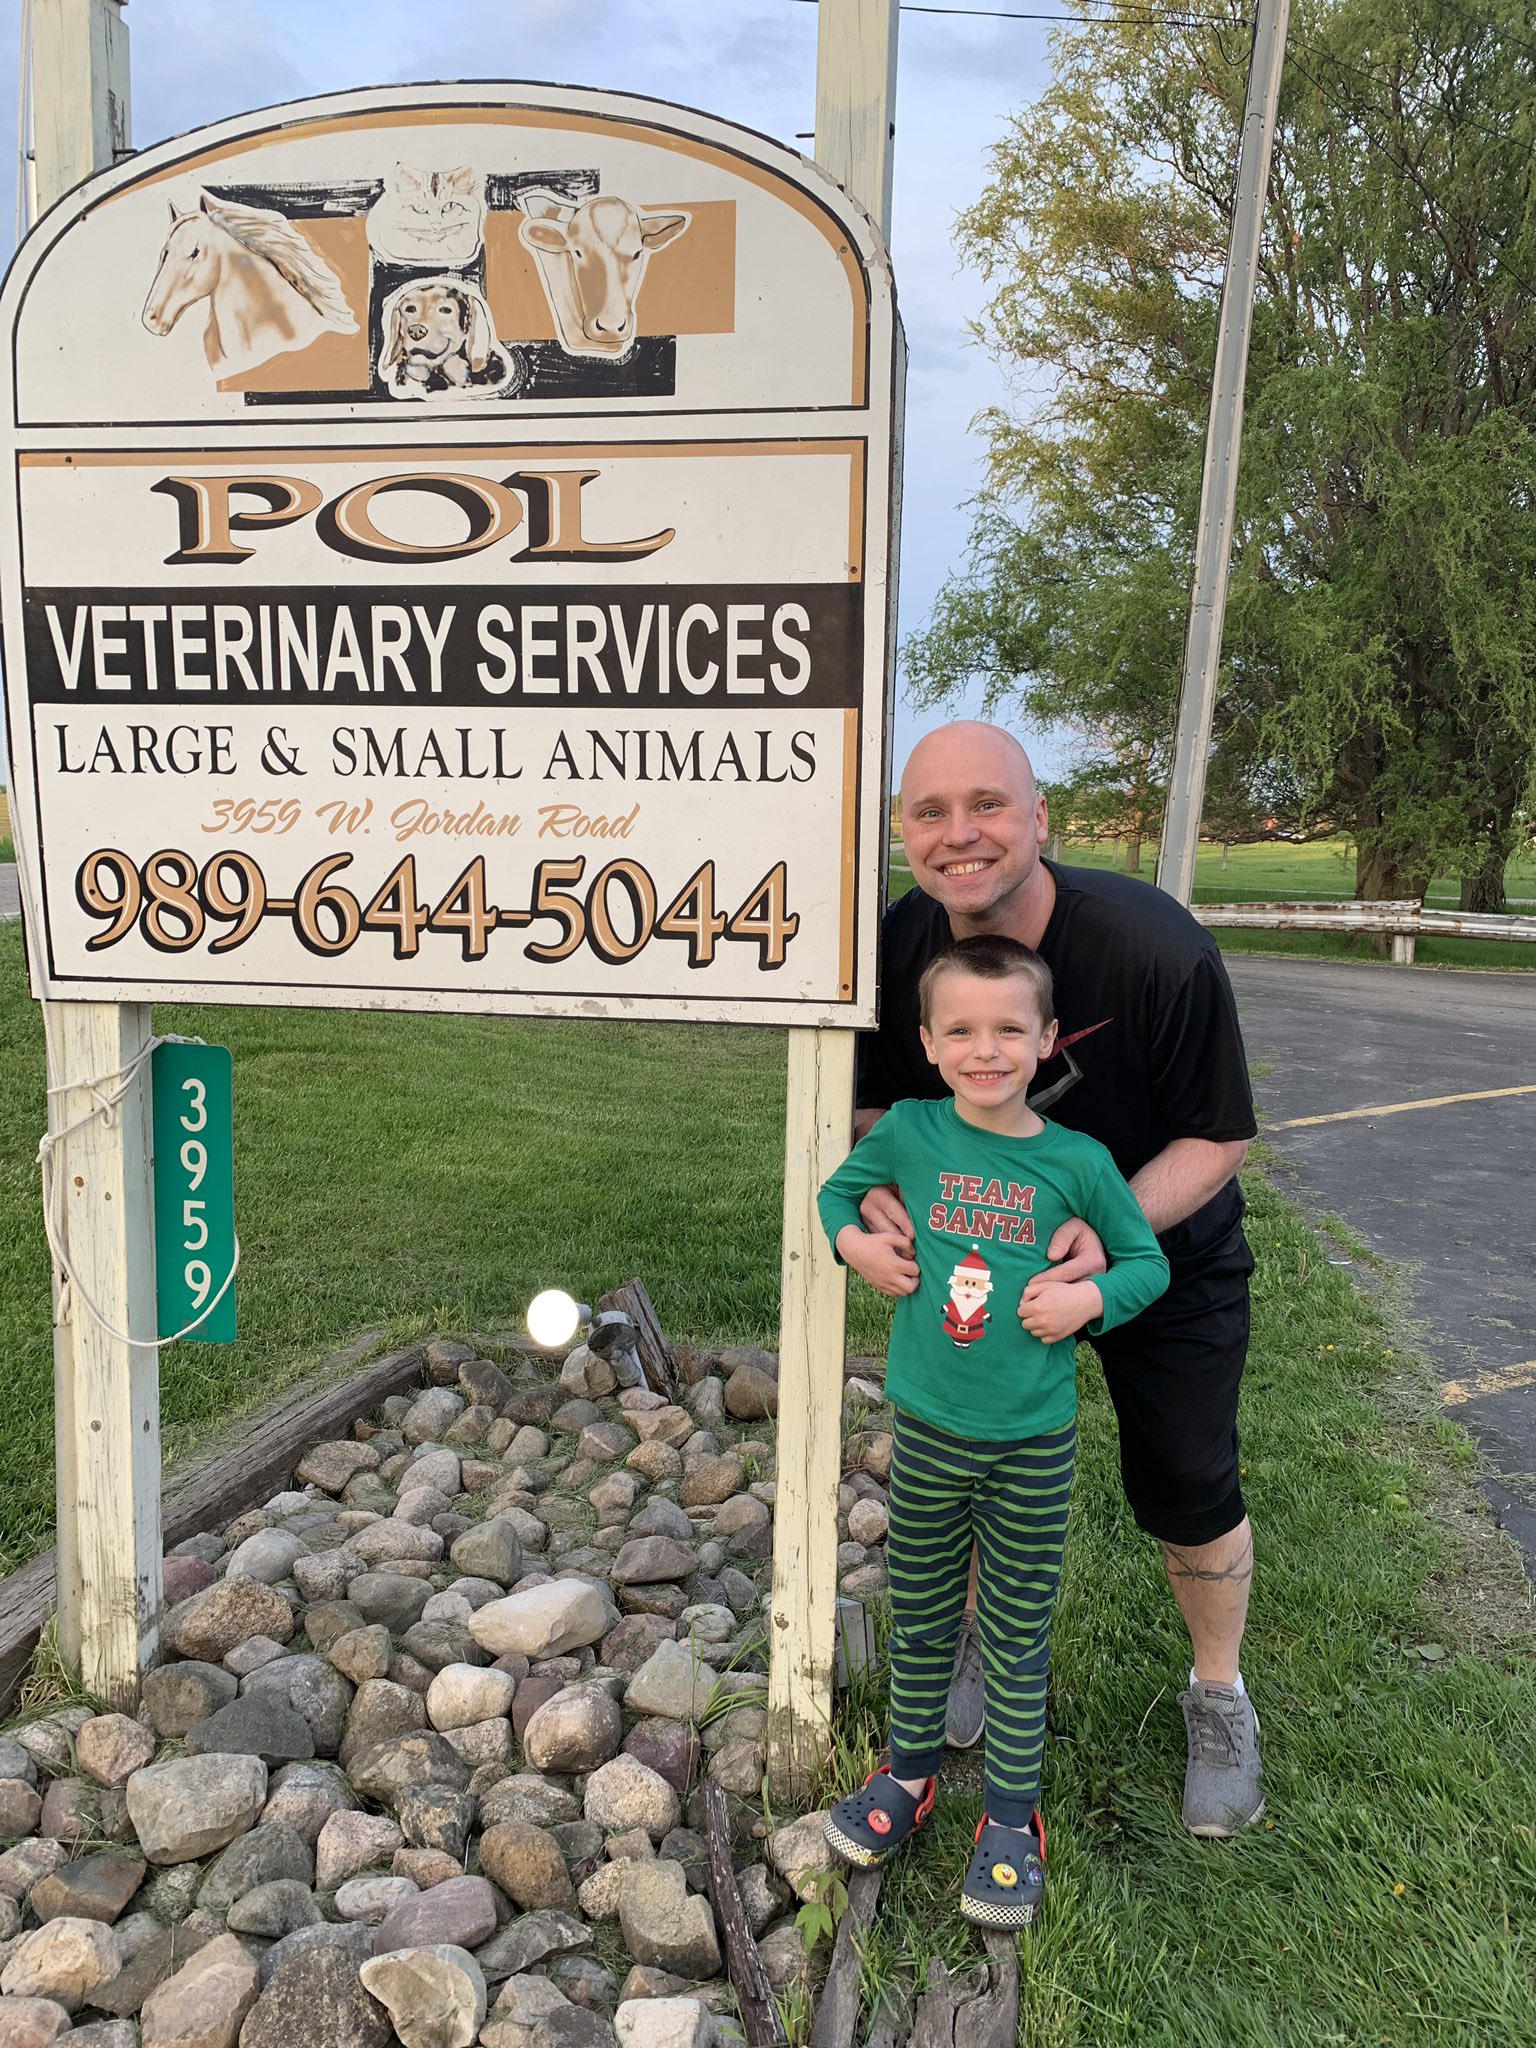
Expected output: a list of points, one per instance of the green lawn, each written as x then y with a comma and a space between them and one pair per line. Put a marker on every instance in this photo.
409, 1171
1278, 872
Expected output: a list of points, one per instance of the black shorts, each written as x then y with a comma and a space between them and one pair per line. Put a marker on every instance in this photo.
1173, 1374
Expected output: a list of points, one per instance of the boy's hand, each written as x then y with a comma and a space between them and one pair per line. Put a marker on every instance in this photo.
1052, 1309
882, 1257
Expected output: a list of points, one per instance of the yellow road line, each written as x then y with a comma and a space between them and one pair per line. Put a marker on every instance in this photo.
1344, 1116
1506, 1379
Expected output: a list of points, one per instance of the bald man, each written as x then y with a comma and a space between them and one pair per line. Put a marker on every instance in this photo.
1150, 1062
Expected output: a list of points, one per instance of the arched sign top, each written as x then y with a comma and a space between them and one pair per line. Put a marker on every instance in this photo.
583, 251
446, 565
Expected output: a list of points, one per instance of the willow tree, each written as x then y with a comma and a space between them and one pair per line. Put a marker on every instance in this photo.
1380, 650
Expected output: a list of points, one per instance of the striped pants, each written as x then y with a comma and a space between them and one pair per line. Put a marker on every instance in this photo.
1012, 1499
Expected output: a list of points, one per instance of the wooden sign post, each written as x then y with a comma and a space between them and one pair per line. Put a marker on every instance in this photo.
855, 109
106, 1386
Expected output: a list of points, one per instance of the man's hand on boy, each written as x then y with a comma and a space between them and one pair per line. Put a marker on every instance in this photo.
885, 1215
1077, 1246
882, 1257
1051, 1309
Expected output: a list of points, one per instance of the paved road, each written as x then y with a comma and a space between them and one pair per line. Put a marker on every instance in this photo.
1446, 1189
10, 894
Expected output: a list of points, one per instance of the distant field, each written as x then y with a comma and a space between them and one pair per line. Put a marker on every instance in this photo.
7, 850
1323, 871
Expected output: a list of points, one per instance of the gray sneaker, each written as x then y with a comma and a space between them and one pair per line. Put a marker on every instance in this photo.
965, 1715
1222, 1792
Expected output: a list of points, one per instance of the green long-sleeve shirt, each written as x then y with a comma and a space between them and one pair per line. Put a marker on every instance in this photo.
983, 1210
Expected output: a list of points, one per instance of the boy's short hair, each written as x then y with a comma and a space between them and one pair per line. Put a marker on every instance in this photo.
990, 957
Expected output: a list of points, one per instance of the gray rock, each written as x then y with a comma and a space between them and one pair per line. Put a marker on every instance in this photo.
764, 1896
543, 1621
673, 1682
436, 1816
327, 1576
313, 1688
314, 1998
462, 1694
254, 1727
527, 1864
208, 1626
435, 1996
327, 1620
105, 2034
462, 1912
520, 2004
305, 1796
664, 1923
272, 1910
529, 1940
437, 1644
190, 1807
362, 1653
381, 1711
664, 2023
372, 1899
353, 1842
390, 1542
661, 1517
177, 1695
667, 1747
741, 1595
799, 1851
111, 1747
250, 1655
204, 2003
16, 1762
708, 1480
585, 1982
627, 1794
261, 1857
751, 1394
64, 1960
527, 1797
21, 1867
430, 1414
389, 1598
484, 1384
384, 1770
353, 1939
649, 1559
94, 1887
268, 1556
492, 1551
575, 1731
31, 2022
330, 1466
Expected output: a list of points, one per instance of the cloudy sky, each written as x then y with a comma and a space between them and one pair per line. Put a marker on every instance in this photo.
752, 61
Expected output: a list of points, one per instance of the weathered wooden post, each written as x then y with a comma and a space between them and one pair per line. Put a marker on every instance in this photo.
855, 103
105, 1387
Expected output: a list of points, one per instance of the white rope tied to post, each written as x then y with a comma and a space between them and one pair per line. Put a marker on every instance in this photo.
108, 1099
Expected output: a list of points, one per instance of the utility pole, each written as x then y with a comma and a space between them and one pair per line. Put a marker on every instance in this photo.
855, 123
106, 1388
1223, 446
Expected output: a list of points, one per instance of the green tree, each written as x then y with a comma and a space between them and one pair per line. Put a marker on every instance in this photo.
1380, 651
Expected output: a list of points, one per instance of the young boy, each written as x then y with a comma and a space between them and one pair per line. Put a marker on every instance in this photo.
982, 1373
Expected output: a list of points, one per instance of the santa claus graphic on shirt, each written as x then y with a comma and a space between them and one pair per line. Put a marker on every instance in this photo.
965, 1313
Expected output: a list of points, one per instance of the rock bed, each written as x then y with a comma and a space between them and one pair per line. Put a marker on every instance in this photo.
424, 1762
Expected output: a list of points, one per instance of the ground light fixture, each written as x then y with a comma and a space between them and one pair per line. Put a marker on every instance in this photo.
555, 1316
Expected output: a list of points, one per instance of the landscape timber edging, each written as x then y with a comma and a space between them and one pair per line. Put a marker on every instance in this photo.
254, 1457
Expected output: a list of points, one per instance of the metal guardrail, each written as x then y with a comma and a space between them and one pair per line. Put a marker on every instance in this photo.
1405, 919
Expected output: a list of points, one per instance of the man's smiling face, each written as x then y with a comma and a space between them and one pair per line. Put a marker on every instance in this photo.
973, 825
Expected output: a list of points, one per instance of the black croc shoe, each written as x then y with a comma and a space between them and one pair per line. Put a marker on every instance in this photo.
867, 1825
1006, 1879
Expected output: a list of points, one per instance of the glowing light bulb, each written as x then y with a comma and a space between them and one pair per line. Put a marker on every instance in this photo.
554, 1317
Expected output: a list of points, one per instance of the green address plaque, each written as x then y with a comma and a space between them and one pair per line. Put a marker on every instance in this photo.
193, 1090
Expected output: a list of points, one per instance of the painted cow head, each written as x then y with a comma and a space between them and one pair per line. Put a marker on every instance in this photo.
592, 260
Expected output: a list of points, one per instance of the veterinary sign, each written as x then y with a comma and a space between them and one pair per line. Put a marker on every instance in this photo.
447, 565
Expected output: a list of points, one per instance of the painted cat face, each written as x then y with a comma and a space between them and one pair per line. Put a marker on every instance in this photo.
431, 217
